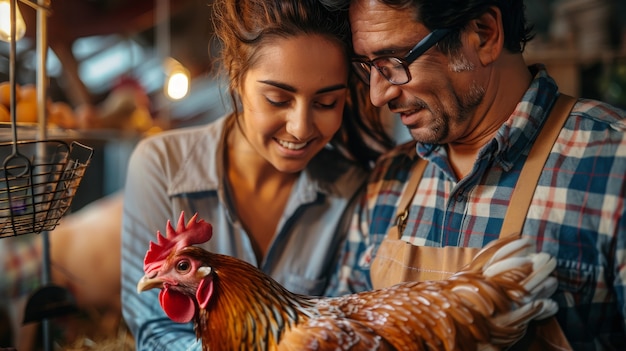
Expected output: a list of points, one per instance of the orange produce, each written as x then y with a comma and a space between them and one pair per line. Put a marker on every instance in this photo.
27, 92
5, 93
61, 114
26, 111
5, 116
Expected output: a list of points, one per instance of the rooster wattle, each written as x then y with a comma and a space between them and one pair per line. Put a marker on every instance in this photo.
235, 306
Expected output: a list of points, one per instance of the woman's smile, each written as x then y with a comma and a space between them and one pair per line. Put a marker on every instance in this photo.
292, 145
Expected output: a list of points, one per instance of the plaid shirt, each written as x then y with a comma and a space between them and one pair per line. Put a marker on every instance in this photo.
577, 211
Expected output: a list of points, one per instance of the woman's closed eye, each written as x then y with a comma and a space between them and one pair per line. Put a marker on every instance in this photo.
322, 103
326, 105
277, 102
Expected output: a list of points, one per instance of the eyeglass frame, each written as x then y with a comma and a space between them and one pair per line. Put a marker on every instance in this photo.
418, 50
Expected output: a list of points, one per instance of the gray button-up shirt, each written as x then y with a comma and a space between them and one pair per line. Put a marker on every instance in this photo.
183, 170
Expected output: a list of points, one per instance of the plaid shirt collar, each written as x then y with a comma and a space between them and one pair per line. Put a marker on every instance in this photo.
520, 130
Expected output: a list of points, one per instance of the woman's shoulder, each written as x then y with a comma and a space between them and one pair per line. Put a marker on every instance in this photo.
189, 150
211, 131
183, 140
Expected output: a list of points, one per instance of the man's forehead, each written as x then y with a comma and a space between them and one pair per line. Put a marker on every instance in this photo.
379, 9
378, 29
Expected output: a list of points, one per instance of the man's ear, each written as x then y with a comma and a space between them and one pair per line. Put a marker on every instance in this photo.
486, 34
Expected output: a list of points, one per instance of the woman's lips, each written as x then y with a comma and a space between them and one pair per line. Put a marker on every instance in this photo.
292, 145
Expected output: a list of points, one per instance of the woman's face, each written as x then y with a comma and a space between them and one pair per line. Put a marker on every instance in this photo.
293, 98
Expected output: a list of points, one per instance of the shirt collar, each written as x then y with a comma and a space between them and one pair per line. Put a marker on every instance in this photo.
519, 130
204, 167
203, 164
523, 126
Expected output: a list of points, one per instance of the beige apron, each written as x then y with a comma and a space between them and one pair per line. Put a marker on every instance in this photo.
397, 260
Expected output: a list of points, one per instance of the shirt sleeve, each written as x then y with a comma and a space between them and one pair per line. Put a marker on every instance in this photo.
147, 207
352, 273
369, 224
619, 281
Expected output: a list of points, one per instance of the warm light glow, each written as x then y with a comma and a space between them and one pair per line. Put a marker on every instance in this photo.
177, 79
177, 85
5, 22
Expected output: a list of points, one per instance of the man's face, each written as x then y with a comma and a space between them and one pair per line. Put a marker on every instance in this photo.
437, 103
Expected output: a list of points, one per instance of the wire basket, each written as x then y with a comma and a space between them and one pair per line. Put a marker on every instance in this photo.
38, 181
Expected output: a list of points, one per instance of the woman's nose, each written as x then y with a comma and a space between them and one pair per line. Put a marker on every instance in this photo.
300, 123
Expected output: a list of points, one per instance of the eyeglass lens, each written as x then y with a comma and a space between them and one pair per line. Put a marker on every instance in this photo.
396, 70
391, 68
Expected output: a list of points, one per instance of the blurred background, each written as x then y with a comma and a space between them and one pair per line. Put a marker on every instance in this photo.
583, 43
108, 62
108, 67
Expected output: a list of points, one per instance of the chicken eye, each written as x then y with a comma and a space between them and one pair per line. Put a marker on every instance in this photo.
183, 266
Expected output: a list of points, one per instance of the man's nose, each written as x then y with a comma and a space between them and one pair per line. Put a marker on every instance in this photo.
381, 90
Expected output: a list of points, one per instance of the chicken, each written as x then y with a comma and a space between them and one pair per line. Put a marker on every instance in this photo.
235, 306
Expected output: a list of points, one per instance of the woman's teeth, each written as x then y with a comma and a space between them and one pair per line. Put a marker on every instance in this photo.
291, 146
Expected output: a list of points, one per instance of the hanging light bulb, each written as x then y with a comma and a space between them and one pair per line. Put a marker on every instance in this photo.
177, 79
5, 21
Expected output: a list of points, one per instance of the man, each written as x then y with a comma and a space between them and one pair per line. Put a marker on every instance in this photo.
475, 110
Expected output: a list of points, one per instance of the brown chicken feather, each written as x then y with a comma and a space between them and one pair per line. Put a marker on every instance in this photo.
488, 305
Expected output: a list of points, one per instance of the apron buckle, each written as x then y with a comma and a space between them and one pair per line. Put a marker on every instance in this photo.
401, 221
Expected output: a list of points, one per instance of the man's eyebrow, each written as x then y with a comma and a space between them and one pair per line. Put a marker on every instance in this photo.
384, 52
388, 51
294, 90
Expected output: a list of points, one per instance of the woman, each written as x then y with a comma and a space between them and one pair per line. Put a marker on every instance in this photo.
277, 178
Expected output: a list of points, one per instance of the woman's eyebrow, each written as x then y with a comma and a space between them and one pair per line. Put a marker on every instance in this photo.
279, 85
294, 90
331, 88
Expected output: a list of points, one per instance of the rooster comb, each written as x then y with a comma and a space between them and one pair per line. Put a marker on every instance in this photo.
195, 232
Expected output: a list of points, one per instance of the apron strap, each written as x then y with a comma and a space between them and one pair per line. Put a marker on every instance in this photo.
524, 190
402, 257
405, 199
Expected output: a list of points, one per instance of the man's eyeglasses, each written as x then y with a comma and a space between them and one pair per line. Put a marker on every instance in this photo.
395, 69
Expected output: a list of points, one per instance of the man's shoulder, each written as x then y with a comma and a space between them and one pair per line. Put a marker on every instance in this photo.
601, 112
336, 174
405, 153
396, 163
407, 149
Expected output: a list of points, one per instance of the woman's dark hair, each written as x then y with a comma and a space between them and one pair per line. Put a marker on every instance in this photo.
243, 26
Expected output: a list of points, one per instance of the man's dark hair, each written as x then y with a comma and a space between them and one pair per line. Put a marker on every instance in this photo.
457, 14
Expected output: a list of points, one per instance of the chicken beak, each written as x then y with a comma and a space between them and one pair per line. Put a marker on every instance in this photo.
147, 283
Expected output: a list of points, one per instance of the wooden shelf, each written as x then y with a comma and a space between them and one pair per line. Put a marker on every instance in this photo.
564, 65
